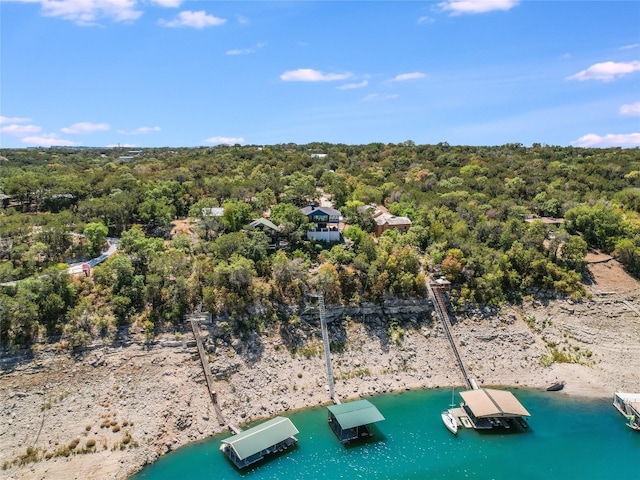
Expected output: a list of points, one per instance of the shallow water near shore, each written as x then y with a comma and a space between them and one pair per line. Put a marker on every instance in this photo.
568, 437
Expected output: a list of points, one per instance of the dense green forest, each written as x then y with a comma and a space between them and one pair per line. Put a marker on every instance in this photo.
471, 210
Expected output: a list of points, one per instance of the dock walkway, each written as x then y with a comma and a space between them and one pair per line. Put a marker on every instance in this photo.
439, 303
204, 360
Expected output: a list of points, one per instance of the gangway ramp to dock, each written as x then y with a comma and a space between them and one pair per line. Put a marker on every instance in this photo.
195, 320
436, 293
327, 347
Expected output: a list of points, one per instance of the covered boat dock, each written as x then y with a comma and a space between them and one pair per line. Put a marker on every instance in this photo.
350, 421
487, 408
628, 404
252, 445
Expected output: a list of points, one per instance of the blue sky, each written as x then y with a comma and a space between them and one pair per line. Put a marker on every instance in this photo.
153, 73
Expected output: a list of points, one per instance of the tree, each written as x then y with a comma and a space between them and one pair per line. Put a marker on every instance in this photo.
573, 253
236, 215
157, 212
628, 253
328, 282
96, 233
236, 274
452, 264
288, 275
292, 222
135, 243
300, 189
230, 243
601, 225
78, 328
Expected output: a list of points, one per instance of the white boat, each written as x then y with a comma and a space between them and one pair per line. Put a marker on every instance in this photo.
449, 421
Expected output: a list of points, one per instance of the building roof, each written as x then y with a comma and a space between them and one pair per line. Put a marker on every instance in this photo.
545, 220
327, 210
629, 397
354, 414
265, 223
212, 211
262, 436
389, 219
487, 402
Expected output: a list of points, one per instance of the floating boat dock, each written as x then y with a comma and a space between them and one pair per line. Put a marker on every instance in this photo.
252, 445
352, 420
628, 404
487, 408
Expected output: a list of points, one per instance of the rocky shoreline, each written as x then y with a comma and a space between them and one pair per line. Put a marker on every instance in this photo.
111, 410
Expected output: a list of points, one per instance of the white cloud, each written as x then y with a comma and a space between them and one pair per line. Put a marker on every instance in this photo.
606, 71
609, 140
629, 47
140, 131
199, 19
88, 12
632, 109
4, 119
378, 96
425, 19
85, 127
239, 51
351, 86
311, 75
47, 140
224, 140
461, 7
403, 77
167, 3
244, 51
20, 130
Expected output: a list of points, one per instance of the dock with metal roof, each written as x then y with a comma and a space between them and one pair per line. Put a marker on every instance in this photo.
487, 408
253, 444
352, 420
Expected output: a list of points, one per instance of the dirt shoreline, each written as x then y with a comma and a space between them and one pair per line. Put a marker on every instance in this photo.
137, 403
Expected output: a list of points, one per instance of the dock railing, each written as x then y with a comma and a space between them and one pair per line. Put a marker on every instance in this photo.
436, 295
204, 360
327, 347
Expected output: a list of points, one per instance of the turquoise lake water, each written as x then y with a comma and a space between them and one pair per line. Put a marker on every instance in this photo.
568, 438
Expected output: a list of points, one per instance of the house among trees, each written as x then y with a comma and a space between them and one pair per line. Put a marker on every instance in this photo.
324, 223
270, 229
212, 211
552, 221
4, 200
385, 221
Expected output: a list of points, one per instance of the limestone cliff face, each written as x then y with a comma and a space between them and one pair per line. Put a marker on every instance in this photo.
398, 309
